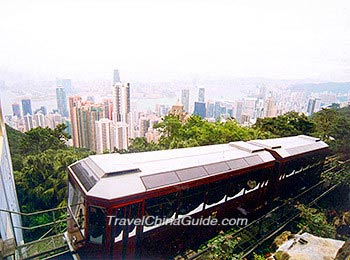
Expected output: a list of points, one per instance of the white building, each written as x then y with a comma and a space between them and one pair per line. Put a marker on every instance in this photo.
39, 119
121, 102
28, 122
110, 135
8, 195
121, 136
104, 135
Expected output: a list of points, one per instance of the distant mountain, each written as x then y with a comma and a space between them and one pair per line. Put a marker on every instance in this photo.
335, 87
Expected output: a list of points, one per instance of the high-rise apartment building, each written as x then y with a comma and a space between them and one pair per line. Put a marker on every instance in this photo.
28, 122
8, 195
185, 99
249, 107
39, 119
121, 135
61, 101
121, 102
237, 110
83, 117
104, 135
27, 107
107, 108
201, 95
74, 103
269, 108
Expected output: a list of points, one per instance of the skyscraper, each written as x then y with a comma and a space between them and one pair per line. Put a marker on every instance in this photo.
249, 107
74, 103
61, 101
28, 122
39, 119
66, 84
201, 95
16, 110
104, 135
121, 102
185, 99
116, 77
27, 107
313, 106
121, 135
83, 118
8, 195
107, 108
269, 108
199, 109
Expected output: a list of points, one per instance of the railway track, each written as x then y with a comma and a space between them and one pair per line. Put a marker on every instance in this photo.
273, 222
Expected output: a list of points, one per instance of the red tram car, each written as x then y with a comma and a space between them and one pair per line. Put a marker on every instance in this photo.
198, 182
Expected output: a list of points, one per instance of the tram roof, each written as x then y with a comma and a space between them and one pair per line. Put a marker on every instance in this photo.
291, 146
111, 176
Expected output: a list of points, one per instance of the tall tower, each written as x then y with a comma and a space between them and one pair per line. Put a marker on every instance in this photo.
61, 101
311, 106
16, 110
66, 84
201, 94
74, 103
116, 77
185, 99
121, 102
27, 107
8, 195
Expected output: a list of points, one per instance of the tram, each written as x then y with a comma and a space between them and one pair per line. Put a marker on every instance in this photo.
215, 180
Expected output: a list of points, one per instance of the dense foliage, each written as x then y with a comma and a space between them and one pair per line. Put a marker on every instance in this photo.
315, 222
289, 124
223, 247
40, 159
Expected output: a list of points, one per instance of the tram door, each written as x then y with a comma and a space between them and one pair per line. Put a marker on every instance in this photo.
125, 235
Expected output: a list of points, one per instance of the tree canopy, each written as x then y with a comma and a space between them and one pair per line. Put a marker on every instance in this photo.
40, 160
289, 124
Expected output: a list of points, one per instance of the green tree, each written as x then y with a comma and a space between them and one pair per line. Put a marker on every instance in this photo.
324, 121
140, 144
315, 222
198, 132
42, 182
341, 132
40, 139
15, 139
223, 247
289, 124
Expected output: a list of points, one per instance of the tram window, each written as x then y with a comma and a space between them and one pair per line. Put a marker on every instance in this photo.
216, 192
97, 225
191, 199
74, 198
162, 207
234, 186
119, 214
133, 215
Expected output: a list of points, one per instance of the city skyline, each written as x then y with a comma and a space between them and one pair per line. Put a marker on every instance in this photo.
289, 40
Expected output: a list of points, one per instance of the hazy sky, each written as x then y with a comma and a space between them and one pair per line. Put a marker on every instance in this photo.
163, 39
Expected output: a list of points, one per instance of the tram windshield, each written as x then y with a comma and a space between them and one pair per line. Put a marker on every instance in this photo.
76, 205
